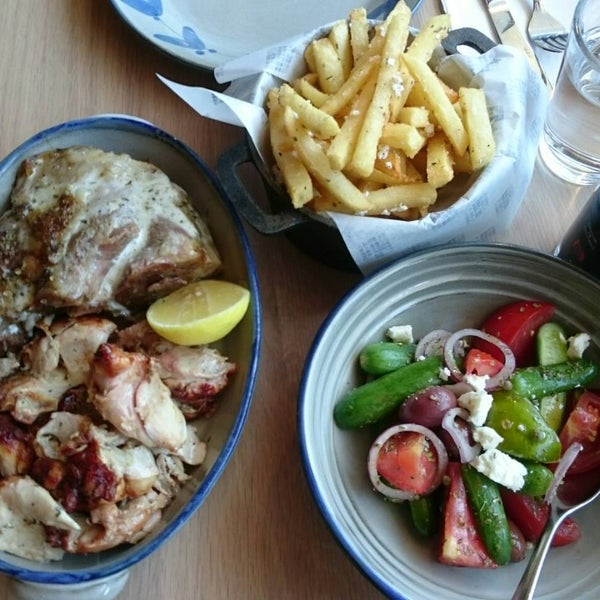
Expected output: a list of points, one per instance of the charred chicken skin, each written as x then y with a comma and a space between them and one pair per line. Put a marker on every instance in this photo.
101, 434
97, 413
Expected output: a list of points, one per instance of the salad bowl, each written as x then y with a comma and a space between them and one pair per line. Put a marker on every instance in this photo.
446, 287
104, 574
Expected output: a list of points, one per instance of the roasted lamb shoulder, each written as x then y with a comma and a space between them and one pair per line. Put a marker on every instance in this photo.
88, 230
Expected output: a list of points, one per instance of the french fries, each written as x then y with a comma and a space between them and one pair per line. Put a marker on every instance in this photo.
293, 172
359, 32
479, 128
363, 158
371, 129
317, 163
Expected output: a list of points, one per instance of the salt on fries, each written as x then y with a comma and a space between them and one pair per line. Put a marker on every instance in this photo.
371, 129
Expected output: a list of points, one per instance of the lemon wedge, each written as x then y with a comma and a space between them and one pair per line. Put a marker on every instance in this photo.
199, 313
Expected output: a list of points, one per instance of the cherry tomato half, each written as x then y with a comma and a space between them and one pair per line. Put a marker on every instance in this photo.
461, 544
531, 516
408, 461
478, 362
516, 325
583, 426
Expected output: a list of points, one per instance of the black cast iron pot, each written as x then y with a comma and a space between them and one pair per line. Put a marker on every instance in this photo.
313, 233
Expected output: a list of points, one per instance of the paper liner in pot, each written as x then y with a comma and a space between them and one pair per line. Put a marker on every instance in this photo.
478, 207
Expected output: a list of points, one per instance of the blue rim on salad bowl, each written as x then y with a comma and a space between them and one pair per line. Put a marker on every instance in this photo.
144, 141
449, 287
205, 35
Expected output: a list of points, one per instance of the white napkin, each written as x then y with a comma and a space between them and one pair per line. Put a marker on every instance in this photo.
486, 203
473, 13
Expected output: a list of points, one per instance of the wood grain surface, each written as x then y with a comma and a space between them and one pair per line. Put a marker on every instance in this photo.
259, 535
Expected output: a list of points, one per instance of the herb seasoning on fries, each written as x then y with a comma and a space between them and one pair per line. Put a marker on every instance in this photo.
371, 129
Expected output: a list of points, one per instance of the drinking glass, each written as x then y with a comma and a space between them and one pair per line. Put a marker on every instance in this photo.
570, 144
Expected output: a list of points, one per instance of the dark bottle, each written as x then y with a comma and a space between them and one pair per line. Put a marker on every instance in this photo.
581, 244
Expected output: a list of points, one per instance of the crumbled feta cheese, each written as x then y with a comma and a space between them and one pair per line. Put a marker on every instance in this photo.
445, 373
477, 382
577, 345
401, 334
383, 152
397, 85
478, 404
501, 468
488, 438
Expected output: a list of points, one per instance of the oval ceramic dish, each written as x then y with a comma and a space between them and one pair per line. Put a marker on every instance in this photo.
208, 34
103, 575
446, 287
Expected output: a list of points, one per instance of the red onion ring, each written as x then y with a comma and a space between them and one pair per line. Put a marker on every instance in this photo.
396, 494
564, 464
492, 383
432, 343
466, 450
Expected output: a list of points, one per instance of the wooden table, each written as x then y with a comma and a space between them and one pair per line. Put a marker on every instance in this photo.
259, 534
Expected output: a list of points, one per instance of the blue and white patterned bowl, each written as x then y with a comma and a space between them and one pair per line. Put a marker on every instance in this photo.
205, 35
104, 575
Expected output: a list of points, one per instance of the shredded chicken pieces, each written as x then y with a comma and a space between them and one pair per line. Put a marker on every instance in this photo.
97, 423
96, 433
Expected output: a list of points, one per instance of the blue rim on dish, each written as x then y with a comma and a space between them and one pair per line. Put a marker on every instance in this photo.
90, 573
206, 37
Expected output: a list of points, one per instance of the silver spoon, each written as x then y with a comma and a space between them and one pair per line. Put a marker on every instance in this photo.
559, 511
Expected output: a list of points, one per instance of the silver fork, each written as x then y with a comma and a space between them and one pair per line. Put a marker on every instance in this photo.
545, 31
559, 511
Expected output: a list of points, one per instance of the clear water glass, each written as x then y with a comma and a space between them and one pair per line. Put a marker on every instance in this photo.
570, 144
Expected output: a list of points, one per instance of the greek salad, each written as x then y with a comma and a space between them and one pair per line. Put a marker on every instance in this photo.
476, 430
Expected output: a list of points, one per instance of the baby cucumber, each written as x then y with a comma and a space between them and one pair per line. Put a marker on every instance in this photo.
376, 399
425, 514
486, 503
537, 480
382, 357
534, 383
551, 343
552, 409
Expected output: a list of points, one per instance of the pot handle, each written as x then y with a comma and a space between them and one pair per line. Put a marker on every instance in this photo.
467, 36
245, 204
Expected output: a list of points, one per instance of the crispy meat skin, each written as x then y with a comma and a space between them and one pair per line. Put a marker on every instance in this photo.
16, 447
89, 230
195, 376
89, 233
93, 421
